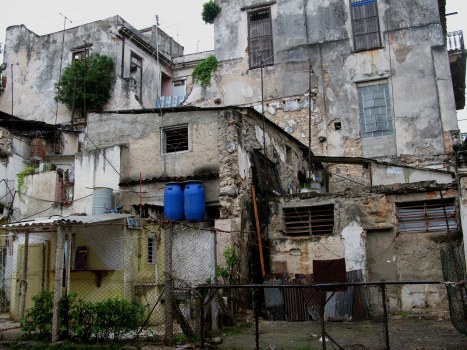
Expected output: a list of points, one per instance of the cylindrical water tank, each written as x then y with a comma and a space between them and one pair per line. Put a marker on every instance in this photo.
102, 200
173, 201
194, 200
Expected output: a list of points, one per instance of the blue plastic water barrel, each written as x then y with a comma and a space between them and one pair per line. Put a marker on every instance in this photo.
173, 201
194, 200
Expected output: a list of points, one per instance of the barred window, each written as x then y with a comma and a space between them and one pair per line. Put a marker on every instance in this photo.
427, 216
151, 256
309, 221
365, 24
260, 38
175, 139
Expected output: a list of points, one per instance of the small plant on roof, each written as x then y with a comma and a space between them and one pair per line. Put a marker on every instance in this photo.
210, 11
203, 70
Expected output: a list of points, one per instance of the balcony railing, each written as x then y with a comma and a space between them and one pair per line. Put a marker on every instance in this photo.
170, 101
455, 41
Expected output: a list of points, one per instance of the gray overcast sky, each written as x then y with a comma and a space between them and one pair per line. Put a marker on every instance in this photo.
181, 19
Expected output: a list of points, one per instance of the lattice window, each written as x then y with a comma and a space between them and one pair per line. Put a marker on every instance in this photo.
260, 38
309, 221
175, 139
427, 216
151, 253
375, 109
365, 24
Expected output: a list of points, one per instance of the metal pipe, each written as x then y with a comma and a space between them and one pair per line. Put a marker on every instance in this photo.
385, 309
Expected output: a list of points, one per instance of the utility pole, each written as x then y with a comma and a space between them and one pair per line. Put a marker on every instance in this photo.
61, 57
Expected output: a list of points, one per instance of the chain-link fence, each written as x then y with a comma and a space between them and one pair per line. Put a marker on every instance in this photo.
121, 284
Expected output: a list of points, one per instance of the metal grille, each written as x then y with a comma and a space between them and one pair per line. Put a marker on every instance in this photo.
426, 216
316, 220
260, 38
365, 24
176, 139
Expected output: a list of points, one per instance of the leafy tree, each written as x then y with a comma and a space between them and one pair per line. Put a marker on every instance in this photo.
90, 79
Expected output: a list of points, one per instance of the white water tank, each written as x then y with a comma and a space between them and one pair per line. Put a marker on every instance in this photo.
102, 200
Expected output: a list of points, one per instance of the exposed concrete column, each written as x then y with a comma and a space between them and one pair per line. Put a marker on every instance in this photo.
127, 263
168, 282
24, 274
68, 260
58, 281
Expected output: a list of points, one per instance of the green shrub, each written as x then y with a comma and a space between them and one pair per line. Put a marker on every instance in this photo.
82, 320
202, 71
210, 11
94, 78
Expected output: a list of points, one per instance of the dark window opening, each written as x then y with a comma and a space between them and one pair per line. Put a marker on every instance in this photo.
149, 211
175, 139
365, 24
136, 74
265, 174
337, 126
427, 216
309, 221
260, 38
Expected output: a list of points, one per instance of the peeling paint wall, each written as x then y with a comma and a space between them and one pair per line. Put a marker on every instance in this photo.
320, 33
386, 254
36, 68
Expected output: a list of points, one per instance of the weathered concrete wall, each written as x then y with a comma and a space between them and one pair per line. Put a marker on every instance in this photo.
36, 69
413, 256
388, 175
320, 33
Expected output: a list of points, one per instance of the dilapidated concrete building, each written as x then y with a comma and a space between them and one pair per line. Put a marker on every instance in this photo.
374, 181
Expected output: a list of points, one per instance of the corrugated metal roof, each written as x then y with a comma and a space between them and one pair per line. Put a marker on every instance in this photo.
58, 220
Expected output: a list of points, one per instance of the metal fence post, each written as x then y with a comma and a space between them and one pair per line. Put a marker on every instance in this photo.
201, 314
385, 310
256, 303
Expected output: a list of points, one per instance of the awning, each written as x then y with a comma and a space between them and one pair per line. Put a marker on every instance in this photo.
57, 220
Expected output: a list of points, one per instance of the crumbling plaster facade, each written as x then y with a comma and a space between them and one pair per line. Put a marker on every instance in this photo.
37, 63
366, 233
319, 33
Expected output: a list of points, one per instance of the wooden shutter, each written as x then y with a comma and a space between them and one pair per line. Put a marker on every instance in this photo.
365, 24
260, 38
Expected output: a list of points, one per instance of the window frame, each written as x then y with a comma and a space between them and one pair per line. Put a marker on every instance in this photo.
135, 66
389, 113
353, 21
434, 222
151, 256
163, 134
318, 223
269, 60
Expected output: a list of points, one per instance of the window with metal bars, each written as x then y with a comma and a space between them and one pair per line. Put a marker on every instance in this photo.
309, 221
260, 38
175, 139
365, 24
427, 216
151, 256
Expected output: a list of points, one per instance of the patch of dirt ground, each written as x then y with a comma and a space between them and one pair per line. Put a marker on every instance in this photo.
404, 334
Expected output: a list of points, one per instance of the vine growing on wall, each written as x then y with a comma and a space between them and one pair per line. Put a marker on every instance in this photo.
210, 11
89, 80
20, 178
203, 70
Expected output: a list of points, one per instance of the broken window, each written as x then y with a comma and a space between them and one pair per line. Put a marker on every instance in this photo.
80, 52
309, 221
427, 216
151, 256
375, 109
175, 139
260, 38
365, 24
136, 73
